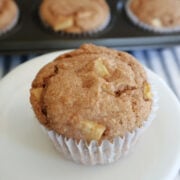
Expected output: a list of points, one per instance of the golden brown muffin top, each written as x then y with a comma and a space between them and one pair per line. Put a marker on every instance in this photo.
92, 93
8, 12
74, 16
157, 13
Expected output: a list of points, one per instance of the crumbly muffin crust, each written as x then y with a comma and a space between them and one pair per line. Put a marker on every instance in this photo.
75, 16
157, 13
8, 14
92, 93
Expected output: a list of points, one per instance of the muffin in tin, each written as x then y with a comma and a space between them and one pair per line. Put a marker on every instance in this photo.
155, 15
77, 17
9, 14
94, 103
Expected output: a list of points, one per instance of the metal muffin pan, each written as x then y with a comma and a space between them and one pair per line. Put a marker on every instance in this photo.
30, 35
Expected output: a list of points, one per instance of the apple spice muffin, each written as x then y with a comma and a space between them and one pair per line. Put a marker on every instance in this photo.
8, 15
158, 15
92, 95
79, 16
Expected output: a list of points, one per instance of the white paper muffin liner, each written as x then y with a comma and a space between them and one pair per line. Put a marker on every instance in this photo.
145, 26
106, 152
11, 25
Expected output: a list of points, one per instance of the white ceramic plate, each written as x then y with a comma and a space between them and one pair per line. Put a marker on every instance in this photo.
26, 153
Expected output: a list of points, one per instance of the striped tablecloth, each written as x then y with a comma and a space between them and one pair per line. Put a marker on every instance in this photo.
164, 62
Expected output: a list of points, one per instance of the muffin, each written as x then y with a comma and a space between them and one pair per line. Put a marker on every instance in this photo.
8, 15
155, 15
79, 16
94, 103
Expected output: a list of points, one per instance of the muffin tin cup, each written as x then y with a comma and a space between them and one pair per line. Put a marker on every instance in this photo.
106, 152
145, 26
11, 25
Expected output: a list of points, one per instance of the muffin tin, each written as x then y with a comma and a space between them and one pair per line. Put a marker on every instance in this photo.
30, 35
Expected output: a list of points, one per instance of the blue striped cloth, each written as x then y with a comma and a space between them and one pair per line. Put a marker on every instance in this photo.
164, 62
